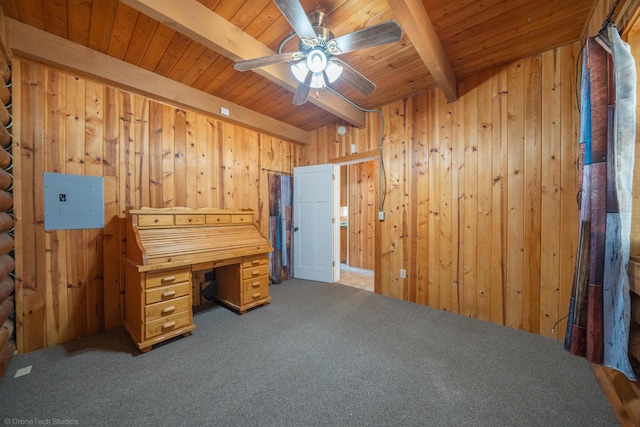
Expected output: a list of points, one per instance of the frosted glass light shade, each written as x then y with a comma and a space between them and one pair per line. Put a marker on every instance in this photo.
317, 81
333, 71
300, 70
318, 64
316, 61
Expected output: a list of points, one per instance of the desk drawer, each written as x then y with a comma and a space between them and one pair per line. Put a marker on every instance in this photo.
167, 277
248, 262
255, 283
165, 309
166, 293
218, 219
242, 219
167, 324
190, 219
253, 272
154, 220
255, 295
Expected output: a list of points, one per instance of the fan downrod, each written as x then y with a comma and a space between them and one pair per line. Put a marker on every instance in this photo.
318, 21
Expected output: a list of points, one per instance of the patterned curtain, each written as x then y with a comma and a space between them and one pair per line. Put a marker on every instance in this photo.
280, 227
599, 311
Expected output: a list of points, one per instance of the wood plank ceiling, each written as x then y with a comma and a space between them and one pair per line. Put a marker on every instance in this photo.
475, 35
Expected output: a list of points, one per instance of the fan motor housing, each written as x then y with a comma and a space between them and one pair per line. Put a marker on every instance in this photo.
318, 21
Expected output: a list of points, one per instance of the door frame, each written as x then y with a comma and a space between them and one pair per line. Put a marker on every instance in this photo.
349, 160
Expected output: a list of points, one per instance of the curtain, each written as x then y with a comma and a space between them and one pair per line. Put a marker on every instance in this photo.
599, 311
280, 224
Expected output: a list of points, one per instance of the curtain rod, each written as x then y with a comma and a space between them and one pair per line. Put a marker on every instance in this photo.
607, 20
275, 171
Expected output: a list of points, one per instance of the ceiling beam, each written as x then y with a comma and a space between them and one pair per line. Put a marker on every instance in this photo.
29, 42
415, 21
202, 25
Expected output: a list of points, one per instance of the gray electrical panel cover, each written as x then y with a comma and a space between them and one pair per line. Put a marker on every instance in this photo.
73, 201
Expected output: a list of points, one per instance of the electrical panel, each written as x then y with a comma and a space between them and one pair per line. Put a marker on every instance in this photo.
73, 201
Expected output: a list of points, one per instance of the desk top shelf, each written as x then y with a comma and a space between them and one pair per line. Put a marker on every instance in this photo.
159, 238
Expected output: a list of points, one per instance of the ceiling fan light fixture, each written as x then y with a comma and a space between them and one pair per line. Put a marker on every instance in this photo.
317, 64
300, 72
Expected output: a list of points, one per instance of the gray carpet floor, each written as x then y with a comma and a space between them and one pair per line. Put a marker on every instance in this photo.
318, 355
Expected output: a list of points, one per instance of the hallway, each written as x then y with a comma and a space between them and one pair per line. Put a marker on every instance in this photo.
356, 277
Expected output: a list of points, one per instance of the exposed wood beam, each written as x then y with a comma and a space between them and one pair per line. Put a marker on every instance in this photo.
202, 25
416, 23
31, 43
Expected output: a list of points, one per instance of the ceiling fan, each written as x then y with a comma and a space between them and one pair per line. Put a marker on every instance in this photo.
316, 62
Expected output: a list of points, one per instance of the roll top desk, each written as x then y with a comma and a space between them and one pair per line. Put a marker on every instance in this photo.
165, 246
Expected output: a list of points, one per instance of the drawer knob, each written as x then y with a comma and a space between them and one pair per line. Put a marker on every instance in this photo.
256, 295
168, 279
168, 293
169, 325
168, 309
255, 262
255, 273
255, 284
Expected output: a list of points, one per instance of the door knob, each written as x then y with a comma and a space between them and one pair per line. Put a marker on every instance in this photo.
295, 229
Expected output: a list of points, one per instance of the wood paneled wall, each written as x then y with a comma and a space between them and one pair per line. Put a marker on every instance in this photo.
69, 282
362, 214
480, 197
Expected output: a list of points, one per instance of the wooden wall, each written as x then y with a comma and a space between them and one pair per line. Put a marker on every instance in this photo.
69, 282
362, 213
480, 197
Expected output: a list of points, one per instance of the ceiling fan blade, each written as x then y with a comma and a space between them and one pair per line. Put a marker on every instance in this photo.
302, 92
376, 35
354, 79
266, 60
297, 17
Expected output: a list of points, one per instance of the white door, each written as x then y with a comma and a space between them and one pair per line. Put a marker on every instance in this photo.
313, 222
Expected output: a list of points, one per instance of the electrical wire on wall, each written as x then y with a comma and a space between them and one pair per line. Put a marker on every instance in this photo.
381, 162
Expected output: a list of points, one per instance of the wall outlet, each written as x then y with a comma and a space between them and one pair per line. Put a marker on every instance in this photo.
381, 216
224, 111
403, 273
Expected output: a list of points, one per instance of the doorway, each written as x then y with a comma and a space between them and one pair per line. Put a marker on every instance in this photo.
357, 201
